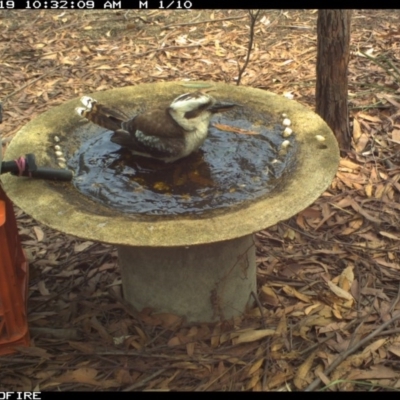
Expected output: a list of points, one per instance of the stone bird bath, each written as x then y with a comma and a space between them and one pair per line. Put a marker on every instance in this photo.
194, 260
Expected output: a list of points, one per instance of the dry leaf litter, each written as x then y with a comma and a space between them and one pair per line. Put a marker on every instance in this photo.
327, 278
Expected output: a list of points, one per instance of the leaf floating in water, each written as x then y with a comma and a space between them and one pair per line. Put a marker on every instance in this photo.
179, 176
202, 181
161, 186
234, 129
180, 180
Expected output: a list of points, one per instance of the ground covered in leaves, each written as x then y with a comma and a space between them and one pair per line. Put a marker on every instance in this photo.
329, 278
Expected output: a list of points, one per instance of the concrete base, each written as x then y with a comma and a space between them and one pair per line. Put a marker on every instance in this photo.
203, 283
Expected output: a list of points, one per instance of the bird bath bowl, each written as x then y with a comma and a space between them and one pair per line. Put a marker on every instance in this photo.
184, 231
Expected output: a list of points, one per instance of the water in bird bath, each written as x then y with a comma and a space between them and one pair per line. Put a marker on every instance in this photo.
230, 169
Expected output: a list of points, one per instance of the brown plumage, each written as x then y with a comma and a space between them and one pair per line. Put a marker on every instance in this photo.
104, 116
163, 133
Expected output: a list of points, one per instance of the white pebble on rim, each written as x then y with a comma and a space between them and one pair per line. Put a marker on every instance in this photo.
320, 138
286, 122
287, 132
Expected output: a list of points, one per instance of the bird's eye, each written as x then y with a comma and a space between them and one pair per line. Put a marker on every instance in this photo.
197, 111
192, 114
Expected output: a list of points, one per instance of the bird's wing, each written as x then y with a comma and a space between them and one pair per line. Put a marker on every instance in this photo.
156, 122
140, 143
111, 112
146, 134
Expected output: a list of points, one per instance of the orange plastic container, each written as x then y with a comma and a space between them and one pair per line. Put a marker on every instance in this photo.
13, 282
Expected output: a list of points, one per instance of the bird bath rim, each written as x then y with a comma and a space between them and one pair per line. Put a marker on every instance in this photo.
316, 166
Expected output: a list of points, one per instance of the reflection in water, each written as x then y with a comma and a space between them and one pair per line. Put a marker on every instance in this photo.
228, 170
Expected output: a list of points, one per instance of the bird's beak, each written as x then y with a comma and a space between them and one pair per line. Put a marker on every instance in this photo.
221, 107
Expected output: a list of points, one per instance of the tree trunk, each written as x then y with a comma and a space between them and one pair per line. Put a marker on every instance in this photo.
333, 42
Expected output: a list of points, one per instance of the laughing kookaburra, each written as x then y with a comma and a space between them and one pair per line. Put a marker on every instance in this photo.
166, 134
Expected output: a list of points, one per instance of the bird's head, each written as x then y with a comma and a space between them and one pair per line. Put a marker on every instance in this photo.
193, 110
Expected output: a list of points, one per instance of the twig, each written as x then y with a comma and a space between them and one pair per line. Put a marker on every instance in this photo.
371, 107
144, 381
135, 353
392, 101
294, 27
389, 332
354, 334
395, 301
351, 350
253, 20
261, 309
206, 21
330, 336
264, 325
209, 384
65, 334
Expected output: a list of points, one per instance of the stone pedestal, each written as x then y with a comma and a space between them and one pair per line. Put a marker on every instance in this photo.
203, 283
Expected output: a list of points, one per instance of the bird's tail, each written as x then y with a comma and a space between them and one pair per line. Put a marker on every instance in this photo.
100, 114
